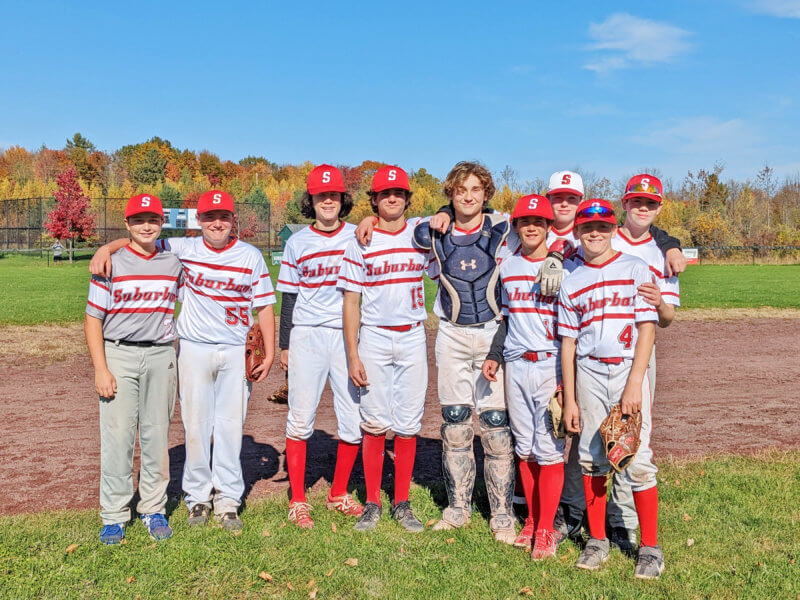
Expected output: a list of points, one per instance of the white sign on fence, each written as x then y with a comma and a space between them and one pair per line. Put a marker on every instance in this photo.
692, 255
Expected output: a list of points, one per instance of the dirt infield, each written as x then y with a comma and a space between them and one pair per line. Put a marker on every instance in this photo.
722, 386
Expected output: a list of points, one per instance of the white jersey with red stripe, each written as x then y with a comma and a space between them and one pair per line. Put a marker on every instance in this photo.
600, 306
220, 289
553, 235
649, 252
387, 273
532, 318
310, 268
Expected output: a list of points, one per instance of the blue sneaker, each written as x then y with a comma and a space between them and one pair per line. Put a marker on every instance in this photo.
112, 534
157, 526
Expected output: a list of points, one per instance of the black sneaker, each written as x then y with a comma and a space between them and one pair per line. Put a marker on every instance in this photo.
401, 512
229, 521
369, 519
198, 515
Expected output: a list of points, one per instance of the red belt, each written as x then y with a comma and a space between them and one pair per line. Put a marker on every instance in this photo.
536, 356
400, 327
614, 360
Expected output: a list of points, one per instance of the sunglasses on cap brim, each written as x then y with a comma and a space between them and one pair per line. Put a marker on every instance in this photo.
595, 211
644, 188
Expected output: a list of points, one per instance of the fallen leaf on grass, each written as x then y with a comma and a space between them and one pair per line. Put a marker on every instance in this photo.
289, 585
430, 522
333, 527
265, 576
702, 472
526, 591
329, 573
282, 525
124, 541
265, 533
238, 532
351, 562
444, 559
71, 548
791, 562
130, 579
686, 517
401, 550
312, 594
311, 583
690, 542
449, 540
544, 574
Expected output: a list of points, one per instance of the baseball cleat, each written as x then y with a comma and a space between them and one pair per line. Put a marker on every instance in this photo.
649, 563
112, 534
594, 554
157, 526
347, 505
198, 515
545, 545
503, 531
525, 537
401, 512
452, 518
369, 520
298, 514
230, 521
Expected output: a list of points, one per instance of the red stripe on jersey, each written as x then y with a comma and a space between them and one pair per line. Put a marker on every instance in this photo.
331, 233
352, 262
658, 273
350, 280
604, 317
519, 278
263, 295
533, 309
670, 294
651, 309
92, 304
98, 284
264, 275
218, 267
393, 281
219, 298
319, 254
140, 255
565, 326
601, 265
287, 283
394, 251
317, 285
467, 232
283, 262
144, 278
621, 234
155, 309
600, 284
565, 307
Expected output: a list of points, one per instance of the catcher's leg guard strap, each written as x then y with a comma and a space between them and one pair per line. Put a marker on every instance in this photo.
458, 464
498, 469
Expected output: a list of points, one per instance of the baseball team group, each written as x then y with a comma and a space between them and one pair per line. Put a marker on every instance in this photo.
552, 307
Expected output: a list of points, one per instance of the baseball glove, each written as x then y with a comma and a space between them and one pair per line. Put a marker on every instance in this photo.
254, 352
555, 416
281, 395
620, 435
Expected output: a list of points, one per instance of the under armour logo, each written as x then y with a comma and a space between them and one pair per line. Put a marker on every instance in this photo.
471, 264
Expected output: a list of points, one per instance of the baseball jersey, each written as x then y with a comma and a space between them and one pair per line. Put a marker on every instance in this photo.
600, 306
388, 274
137, 303
310, 268
220, 288
650, 253
532, 318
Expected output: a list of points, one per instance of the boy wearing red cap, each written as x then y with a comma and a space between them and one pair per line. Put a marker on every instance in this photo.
311, 341
526, 343
607, 330
225, 279
385, 340
130, 334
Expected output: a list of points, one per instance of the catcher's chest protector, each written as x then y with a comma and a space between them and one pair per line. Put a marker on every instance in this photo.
469, 273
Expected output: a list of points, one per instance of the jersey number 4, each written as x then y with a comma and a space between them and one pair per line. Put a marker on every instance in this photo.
235, 314
626, 337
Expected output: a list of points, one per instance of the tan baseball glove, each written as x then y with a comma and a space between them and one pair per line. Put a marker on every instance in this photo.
281, 395
254, 352
620, 435
555, 415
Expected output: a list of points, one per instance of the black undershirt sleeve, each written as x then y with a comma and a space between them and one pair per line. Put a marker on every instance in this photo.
663, 240
287, 309
498, 342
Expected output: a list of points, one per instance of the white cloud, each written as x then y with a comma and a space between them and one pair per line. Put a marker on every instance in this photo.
698, 135
624, 41
787, 9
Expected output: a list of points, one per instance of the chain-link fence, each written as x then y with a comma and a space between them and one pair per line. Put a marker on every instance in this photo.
22, 223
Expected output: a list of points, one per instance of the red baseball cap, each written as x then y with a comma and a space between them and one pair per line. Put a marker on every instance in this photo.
325, 178
595, 209
390, 177
144, 203
644, 186
533, 205
214, 200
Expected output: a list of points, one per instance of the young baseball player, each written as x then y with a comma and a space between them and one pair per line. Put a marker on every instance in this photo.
130, 334
225, 279
387, 356
527, 344
311, 311
607, 331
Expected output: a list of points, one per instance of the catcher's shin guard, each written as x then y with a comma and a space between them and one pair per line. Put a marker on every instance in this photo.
498, 463
458, 461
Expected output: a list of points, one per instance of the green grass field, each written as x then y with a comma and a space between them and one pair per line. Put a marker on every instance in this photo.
34, 292
728, 527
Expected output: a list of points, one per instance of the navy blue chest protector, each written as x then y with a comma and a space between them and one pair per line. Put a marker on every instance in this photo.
469, 273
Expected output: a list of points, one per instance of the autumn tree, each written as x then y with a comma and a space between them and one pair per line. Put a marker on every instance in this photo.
70, 218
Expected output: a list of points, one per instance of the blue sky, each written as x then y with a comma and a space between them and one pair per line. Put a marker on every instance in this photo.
610, 87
